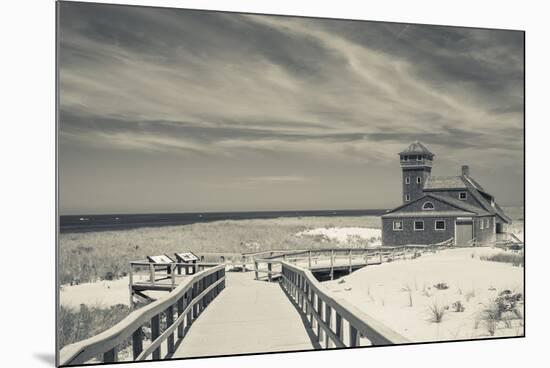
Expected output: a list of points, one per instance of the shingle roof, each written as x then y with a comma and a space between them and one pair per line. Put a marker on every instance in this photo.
434, 183
416, 147
428, 214
444, 182
461, 204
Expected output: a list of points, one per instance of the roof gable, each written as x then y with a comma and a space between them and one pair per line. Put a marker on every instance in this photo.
444, 182
416, 147
471, 210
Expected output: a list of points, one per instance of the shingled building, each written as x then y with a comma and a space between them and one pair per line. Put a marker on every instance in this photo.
440, 208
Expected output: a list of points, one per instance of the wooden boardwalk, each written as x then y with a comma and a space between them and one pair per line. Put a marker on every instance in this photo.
247, 317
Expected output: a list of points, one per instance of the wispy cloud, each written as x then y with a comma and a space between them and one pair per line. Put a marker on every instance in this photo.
206, 84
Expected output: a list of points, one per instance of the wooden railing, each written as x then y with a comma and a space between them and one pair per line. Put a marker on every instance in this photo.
335, 322
180, 308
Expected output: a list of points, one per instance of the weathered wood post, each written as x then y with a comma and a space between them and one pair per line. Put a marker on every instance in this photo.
151, 273
332, 264
110, 356
338, 327
173, 276
155, 332
169, 322
131, 286
269, 267
309, 258
350, 257
353, 336
181, 308
320, 313
137, 342
380, 253
328, 316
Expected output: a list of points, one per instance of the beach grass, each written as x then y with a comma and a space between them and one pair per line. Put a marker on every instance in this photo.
89, 257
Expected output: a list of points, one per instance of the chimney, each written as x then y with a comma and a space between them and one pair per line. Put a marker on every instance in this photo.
465, 170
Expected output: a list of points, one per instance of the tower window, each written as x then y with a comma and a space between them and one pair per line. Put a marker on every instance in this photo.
405, 158
419, 225
407, 197
440, 225
418, 180
407, 180
397, 225
463, 196
428, 206
419, 158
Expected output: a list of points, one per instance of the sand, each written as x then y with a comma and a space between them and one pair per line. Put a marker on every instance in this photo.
102, 293
346, 235
381, 291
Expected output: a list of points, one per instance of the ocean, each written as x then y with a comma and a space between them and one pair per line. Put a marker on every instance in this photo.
87, 223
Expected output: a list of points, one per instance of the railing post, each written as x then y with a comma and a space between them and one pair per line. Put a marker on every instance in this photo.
269, 267
350, 256
353, 336
309, 258
332, 264
173, 275
255, 269
180, 308
155, 332
131, 286
137, 342
328, 316
338, 328
110, 356
320, 313
151, 273
170, 322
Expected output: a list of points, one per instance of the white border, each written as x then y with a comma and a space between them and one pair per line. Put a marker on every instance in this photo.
28, 180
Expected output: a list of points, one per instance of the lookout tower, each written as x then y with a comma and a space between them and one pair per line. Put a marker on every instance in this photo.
416, 164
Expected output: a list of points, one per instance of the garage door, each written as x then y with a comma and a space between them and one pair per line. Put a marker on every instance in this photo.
463, 231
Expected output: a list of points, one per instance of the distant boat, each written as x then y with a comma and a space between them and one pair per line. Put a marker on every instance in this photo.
83, 219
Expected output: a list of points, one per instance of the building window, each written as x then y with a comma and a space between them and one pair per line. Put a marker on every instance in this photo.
428, 206
419, 225
487, 222
440, 225
397, 225
463, 196
481, 224
407, 180
418, 180
419, 158
405, 158
407, 197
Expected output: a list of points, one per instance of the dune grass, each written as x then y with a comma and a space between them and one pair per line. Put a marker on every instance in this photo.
87, 257
79, 324
516, 259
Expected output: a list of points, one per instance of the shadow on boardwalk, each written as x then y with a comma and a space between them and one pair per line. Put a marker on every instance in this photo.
247, 317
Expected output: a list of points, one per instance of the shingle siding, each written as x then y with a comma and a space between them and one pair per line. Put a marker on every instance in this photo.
409, 236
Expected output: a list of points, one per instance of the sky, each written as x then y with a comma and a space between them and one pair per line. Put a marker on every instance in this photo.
172, 110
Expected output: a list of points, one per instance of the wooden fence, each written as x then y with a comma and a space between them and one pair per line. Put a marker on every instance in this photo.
180, 308
329, 317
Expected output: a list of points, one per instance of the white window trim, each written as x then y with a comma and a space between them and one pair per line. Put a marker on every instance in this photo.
428, 209
396, 229
444, 225
407, 197
418, 180
414, 225
465, 196
407, 179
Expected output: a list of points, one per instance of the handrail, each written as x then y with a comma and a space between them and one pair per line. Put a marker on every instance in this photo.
316, 303
189, 299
